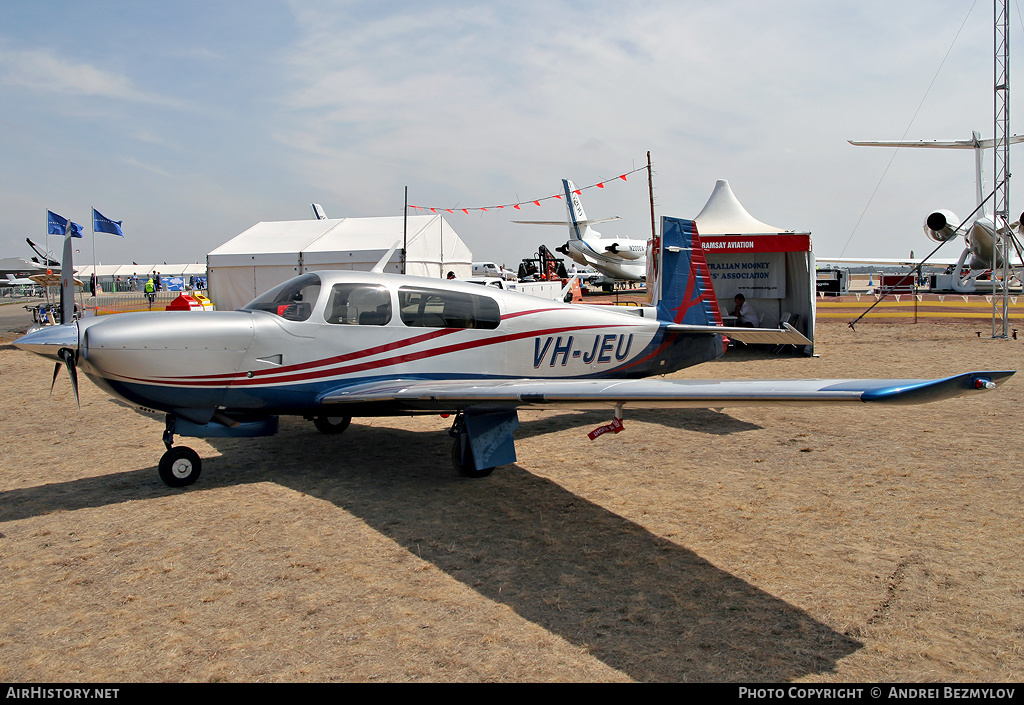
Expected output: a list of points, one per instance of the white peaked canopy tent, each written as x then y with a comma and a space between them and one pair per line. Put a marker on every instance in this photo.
773, 268
269, 253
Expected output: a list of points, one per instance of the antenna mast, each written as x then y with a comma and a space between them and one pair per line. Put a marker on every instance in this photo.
1001, 181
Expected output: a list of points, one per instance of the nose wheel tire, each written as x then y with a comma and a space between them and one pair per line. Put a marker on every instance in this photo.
180, 467
331, 424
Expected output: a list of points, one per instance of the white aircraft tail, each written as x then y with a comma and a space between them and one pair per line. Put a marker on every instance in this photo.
579, 226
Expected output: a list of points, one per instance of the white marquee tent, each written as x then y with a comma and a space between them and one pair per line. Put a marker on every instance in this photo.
773, 268
269, 253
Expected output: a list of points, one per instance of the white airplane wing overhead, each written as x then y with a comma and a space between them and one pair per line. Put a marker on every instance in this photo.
935, 144
656, 393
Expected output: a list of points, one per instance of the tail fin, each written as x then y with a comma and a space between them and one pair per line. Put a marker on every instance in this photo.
578, 226
679, 276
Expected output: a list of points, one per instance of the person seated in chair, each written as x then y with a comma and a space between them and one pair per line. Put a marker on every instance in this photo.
746, 317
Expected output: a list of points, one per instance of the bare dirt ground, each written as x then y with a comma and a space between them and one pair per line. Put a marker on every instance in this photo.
765, 544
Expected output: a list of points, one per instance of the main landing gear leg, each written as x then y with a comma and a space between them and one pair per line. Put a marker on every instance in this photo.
178, 466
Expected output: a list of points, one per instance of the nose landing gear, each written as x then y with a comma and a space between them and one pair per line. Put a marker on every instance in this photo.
179, 467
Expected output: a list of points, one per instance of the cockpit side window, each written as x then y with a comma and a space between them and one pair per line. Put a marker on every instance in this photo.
434, 308
293, 300
358, 304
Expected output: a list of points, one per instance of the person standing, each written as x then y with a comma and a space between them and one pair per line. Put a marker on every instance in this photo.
150, 292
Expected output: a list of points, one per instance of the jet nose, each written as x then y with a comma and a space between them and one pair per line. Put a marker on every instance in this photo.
50, 340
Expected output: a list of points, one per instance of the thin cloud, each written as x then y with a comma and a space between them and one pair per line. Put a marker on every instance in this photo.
41, 70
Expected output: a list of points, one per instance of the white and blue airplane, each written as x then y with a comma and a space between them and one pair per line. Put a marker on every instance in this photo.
332, 345
619, 258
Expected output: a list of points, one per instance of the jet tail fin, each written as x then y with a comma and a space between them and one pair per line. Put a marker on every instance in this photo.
679, 277
579, 225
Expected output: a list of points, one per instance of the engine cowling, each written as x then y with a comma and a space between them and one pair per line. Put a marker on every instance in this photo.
941, 225
627, 249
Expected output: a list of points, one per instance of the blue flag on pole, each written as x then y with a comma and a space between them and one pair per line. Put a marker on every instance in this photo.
57, 225
102, 224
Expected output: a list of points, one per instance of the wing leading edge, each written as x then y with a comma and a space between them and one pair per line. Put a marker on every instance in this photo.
451, 395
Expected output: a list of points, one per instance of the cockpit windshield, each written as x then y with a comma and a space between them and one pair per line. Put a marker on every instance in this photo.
293, 300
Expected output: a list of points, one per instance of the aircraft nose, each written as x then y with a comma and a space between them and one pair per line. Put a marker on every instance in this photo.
50, 340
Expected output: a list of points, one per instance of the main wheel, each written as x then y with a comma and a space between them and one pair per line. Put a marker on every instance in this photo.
463, 461
180, 466
331, 424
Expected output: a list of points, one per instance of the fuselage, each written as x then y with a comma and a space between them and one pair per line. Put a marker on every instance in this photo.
324, 331
631, 265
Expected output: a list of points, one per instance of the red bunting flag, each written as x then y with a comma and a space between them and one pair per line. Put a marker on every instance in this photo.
536, 202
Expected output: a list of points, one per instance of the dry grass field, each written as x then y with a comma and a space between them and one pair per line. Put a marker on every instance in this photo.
844, 543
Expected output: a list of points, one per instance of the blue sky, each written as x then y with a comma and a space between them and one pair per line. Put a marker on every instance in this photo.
191, 121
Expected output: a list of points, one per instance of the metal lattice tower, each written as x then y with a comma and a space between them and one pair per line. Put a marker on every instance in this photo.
1001, 180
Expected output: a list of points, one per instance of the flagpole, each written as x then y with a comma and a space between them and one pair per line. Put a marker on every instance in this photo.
95, 279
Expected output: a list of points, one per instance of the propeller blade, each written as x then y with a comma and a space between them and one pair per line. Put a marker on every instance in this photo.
56, 371
69, 360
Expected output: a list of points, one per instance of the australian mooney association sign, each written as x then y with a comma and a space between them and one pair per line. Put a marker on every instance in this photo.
754, 265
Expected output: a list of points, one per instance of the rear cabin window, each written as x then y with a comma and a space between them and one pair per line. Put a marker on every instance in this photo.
292, 300
432, 308
358, 304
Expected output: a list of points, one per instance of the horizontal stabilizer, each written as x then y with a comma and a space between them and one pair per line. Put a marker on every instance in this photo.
566, 223
935, 144
751, 336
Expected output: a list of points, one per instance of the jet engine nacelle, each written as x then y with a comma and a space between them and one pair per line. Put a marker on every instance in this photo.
941, 225
624, 250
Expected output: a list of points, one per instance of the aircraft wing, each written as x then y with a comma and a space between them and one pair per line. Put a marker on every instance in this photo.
452, 394
893, 261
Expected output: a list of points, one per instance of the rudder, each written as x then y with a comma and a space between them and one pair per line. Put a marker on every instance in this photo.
681, 280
